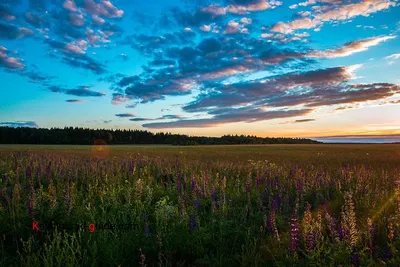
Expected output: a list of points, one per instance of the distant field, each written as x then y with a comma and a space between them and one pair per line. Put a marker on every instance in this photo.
239, 205
376, 154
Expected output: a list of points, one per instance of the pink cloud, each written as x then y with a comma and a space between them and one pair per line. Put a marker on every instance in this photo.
351, 48
9, 62
332, 13
74, 48
216, 10
77, 19
103, 8
205, 28
70, 5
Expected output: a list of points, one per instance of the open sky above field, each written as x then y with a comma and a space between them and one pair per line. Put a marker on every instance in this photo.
266, 68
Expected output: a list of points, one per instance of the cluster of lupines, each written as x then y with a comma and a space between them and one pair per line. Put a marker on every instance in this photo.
294, 199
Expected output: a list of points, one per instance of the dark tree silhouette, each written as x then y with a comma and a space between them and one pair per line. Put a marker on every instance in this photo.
85, 136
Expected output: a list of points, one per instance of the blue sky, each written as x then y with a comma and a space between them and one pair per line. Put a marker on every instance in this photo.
270, 68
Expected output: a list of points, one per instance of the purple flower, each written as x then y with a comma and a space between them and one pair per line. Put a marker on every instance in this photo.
179, 187
214, 195
258, 181
48, 170
310, 240
146, 229
28, 172
193, 184
31, 201
355, 258
248, 187
192, 223
294, 235
274, 204
196, 204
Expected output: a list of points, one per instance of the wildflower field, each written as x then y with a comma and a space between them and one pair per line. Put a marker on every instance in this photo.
266, 205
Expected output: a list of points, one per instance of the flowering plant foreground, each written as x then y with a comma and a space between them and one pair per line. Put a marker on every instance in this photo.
297, 205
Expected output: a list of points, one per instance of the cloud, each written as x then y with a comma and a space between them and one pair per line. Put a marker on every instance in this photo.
103, 8
304, 120
140, 119
125, 115
394, 56
119, 98
242, 7
70, 5
307, 90
165, 117
37, 20
345, 108
6, 13
343, 11
75, 56
12, 32
75, 101
232, 27
205, 28
233, 115
8, 62
298, 121
77, 19
286, 38
16, 124
351, 47
216, 10
278, 91
195, 18
82, 91
131, 105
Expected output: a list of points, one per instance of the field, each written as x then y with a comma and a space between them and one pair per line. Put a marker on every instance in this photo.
268, 205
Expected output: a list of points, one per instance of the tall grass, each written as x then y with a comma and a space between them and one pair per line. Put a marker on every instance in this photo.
220, 206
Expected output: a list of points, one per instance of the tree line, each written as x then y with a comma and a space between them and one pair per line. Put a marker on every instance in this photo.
86, 136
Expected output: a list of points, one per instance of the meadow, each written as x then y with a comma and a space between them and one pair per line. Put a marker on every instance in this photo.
254, 205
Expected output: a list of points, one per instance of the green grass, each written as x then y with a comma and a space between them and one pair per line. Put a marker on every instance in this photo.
201, 206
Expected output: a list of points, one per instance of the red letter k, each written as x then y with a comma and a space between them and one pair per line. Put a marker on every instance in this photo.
35, 226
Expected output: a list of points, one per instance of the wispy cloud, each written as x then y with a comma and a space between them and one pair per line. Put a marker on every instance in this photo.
80, 91
9, 62
75, 101
15, 124
342, 11
125, 115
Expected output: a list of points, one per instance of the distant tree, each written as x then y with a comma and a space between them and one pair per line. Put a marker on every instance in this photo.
84, 136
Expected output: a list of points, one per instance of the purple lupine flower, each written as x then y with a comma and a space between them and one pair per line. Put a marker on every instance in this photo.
196, 204
31, 200
192, 223
355, 258
294, 234
179, 187
310, 240
67, 197
28, 172
272, 224
193, 184
258, 181
274, 204
248, 187
372, 236
298, 189
48, 170
146, 229
214, 195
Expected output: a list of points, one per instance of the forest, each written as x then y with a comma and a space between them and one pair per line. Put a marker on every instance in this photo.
85, 136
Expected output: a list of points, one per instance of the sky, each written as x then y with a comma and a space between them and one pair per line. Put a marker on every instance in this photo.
318, 68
